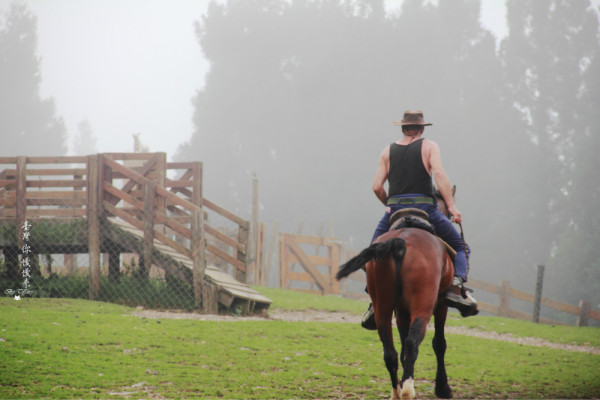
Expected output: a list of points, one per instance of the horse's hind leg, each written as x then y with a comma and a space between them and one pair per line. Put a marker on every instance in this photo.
442, 389
403, 323
416, 334
390, 356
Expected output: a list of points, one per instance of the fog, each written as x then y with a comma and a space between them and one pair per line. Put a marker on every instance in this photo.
303, 94
125, 66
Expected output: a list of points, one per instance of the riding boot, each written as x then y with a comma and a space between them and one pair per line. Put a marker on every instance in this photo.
368, 319
458, 298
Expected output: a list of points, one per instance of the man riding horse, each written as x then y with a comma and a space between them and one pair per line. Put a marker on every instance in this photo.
409, 165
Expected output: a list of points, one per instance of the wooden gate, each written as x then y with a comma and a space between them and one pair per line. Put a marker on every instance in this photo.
314, 272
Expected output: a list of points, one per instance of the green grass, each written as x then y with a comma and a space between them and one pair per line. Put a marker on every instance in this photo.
292, 300
63, 348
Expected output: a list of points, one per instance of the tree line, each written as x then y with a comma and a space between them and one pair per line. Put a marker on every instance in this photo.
304, 94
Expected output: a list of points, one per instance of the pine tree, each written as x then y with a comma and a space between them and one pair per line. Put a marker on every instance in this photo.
28, 124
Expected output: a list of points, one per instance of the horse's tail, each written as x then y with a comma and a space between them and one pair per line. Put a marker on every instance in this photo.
396, 247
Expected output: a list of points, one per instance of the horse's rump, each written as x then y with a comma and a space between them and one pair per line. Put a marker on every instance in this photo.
425, 271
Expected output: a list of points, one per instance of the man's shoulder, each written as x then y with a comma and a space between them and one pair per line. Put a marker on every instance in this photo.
430, 144
385, 153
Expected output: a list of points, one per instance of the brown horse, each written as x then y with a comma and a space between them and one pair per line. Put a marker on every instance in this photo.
408, 270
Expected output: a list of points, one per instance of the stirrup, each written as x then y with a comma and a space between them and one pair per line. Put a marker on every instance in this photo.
466, 307
463, 301
368, 319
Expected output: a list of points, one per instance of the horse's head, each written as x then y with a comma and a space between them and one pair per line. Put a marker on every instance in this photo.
441, 203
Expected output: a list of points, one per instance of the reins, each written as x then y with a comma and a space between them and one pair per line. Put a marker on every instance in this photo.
462, 235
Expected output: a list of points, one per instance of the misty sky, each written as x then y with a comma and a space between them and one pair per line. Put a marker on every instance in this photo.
130, 66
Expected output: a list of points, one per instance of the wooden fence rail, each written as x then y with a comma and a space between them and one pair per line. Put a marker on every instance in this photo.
504, 292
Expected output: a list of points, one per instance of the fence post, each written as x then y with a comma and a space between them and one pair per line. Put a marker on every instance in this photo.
202, 296
161, 179
282, 265
254, 267
93, 225
260, 255
104, 175
210, 304
243, 234
504, 298
148, 223
270, 251
584, 313
69, 264
334, 257
21, 198
538, 293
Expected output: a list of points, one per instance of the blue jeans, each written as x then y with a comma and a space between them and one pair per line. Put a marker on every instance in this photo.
443, 228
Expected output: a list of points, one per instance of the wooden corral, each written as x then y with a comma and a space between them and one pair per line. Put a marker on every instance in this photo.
118, 203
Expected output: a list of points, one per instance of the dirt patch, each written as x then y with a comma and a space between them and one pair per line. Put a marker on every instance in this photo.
326, 316
526, 341
273, 315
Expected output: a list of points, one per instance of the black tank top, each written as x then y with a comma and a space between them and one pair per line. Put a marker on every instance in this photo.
407, 172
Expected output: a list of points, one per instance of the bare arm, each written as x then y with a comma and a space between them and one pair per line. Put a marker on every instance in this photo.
381, 175
443, 182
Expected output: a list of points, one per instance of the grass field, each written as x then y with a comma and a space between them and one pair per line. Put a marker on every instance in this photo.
62, 348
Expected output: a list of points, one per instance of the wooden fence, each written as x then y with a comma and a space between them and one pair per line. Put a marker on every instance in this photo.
134, 187
504, 292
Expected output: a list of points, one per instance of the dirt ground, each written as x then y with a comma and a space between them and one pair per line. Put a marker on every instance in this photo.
325, 316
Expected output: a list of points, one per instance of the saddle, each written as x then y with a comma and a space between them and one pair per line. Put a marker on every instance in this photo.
416, 218
411, 218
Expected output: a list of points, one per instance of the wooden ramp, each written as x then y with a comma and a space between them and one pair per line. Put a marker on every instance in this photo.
230, 291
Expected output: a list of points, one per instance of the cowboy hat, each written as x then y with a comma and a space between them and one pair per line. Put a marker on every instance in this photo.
412, 118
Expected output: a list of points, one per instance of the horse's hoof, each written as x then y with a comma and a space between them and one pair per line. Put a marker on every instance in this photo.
443, 392
395, 395
408, 389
